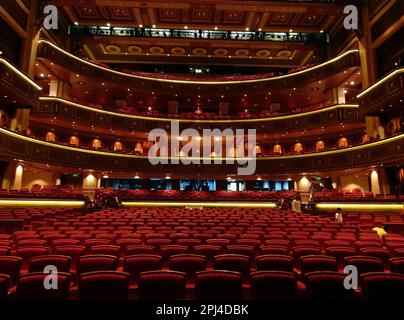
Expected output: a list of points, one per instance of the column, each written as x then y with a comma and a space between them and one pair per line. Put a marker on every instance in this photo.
368, 61
90, 181
303, 185
19, 171
59, 88
8, 176
375, 185
337, 96
20, 119
30, 44
374, 127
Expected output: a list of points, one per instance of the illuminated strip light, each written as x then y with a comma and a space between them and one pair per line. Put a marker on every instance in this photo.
361, 206
200, 204
110, 154
20, 74
198, 82
303, 114
40, 203
380, 82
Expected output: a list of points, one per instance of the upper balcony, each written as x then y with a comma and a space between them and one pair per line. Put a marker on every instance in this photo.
13, 145
16, 88
62, 63
67, 112
386, 95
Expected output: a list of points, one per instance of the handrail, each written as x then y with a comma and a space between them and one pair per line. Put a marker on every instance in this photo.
20, 74
191, 81
286, 157
380, 82
284, 117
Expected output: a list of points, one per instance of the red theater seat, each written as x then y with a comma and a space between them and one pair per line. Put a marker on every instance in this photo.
90, 263
104, 285
381, 253
139, 249
327, 285
96, 242
272, 249
65, 242
241, 249
397, 265
274, 285
208, 250
173, 249
26, 253
31, 243
106, 249
5, 251
4, 284
318, 263
11, 266
30, 286
38, 264
305, 251
274, 262
136, 264
340, 253
162, 285
218, 285
383, 286
233, 262
188, 263
365, 264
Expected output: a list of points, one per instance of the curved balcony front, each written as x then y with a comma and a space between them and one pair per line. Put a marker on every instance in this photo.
16, 146
71, 111
51, 52
16, 87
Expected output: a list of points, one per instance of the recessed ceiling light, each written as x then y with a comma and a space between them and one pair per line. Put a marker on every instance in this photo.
140, 25
108, 24
153, 26
215, 28
185, 27
76, 23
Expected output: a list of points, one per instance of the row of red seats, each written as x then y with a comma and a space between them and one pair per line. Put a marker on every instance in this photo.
239, 236
196, 195
223, 283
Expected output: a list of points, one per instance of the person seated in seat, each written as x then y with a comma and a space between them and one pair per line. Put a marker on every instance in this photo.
296, 205
381, 232
338, 216
281, 203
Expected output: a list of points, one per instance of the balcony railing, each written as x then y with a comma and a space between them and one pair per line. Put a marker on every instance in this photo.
18, 85
382, 93
198, 34
15, 146
64, 109
49, 51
